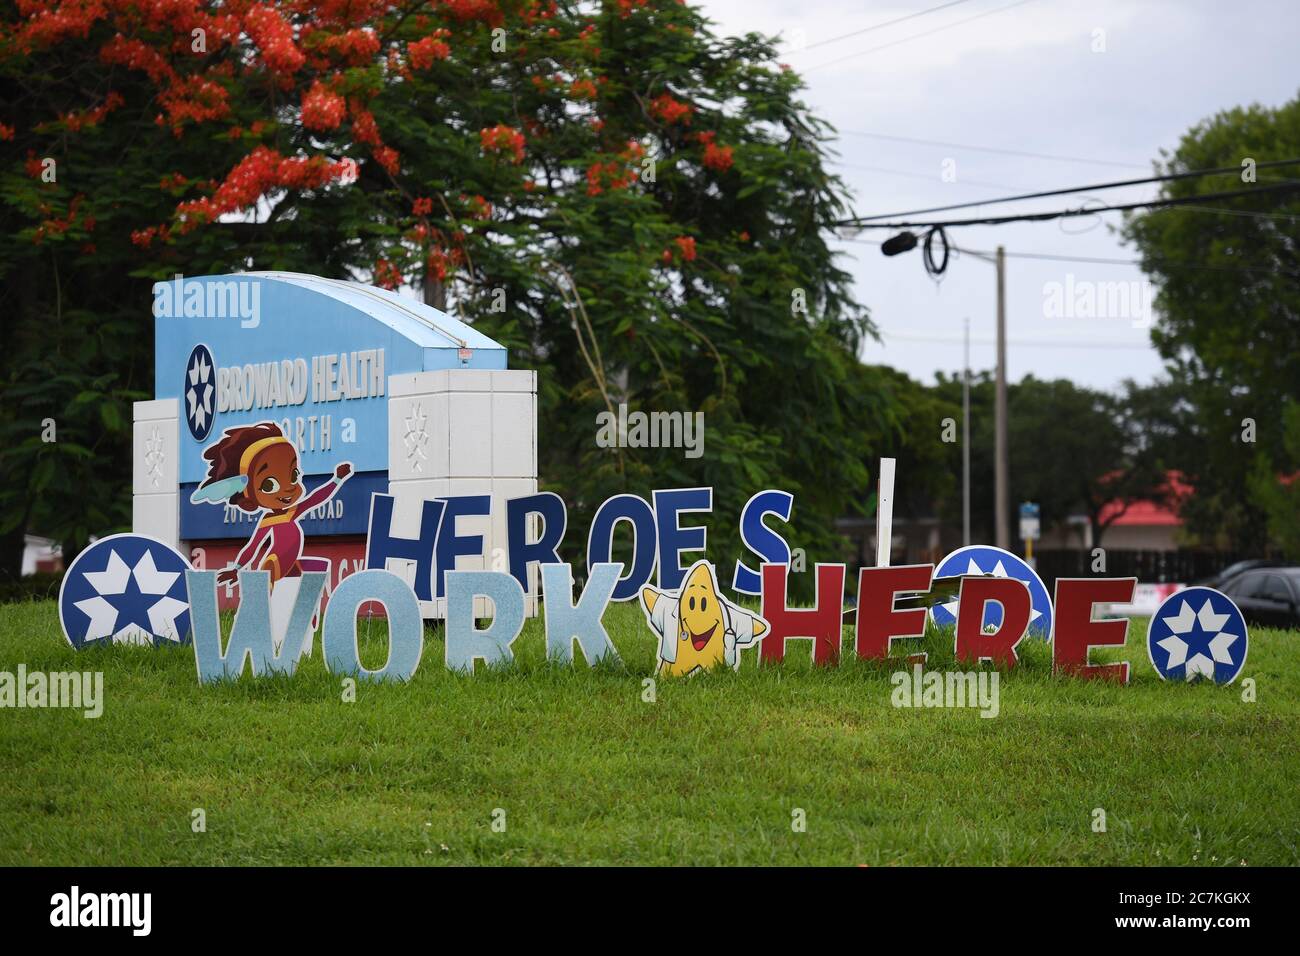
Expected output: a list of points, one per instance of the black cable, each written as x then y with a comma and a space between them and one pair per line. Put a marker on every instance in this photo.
879, 26
1018, 343
1098, 260
993, 149
1071, 213
927, 252
917, 36
1064, 191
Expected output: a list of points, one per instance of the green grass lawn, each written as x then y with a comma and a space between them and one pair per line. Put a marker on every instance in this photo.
712, 772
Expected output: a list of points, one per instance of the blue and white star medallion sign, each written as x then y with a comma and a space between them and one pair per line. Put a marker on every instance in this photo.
1198, 632
198, 394
126, 589
985, 559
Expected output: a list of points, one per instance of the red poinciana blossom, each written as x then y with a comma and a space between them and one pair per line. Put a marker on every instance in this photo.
55, 226
387, 275
423, 52
479, 208
322, 108
274, 38
136, 55
502, 139
144, 237
715, 157
484, 11
616, 173
75, 122
627, 6
196, 99
351, 47
388, 158
256, 174
364, 128
670, 110
442, 262
685, 248
155, 37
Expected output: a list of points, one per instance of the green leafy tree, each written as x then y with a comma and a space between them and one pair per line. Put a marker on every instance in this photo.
1278, 495
929, 466
637, 208
1076, 450
1228, 298
1072, 449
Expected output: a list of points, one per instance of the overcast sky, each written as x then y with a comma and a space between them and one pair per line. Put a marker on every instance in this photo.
1023, 77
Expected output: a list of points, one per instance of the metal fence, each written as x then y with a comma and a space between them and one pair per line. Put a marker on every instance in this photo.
1151, 567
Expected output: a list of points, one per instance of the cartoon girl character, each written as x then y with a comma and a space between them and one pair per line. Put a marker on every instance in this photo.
255, 468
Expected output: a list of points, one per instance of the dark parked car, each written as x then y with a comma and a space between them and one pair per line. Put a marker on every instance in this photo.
1269, 596
1232, 570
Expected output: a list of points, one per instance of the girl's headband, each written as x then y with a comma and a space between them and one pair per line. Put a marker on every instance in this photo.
251, 452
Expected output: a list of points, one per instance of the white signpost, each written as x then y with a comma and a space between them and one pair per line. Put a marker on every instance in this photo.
885, 512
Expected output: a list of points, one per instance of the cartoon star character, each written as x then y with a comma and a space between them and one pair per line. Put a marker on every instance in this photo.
698, 628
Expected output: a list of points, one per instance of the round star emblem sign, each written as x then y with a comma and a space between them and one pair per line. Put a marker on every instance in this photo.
985, 559
126, 589
198, 395
1198, 632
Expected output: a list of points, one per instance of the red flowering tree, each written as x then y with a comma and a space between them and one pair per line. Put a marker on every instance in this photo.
638, 208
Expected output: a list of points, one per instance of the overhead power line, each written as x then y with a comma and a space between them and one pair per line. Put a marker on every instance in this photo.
1137, 263
995, 149
1019, 343
928, 177
985, 184
917, 36
1100, 260
1072, 213
1249, 213
1157, 263
1093, 187
880, 26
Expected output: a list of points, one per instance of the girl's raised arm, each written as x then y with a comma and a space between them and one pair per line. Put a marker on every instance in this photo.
326, 489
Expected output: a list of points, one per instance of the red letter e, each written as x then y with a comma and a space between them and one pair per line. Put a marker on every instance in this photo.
1075, 631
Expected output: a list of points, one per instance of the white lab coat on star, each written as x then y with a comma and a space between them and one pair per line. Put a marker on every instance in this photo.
738, 631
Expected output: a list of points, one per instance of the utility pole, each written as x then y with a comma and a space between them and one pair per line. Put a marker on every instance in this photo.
965, 446
906, 241
1000, 465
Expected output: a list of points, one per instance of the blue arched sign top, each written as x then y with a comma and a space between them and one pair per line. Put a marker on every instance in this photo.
313, 356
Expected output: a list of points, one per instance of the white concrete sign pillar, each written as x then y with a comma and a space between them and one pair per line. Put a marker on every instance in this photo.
155, 467
463, 432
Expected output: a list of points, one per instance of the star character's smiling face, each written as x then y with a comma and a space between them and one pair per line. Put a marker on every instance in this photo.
274, 480
698, 629
701, 627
